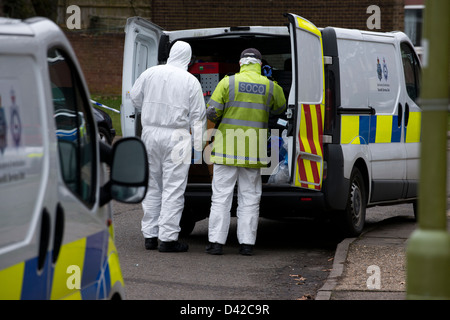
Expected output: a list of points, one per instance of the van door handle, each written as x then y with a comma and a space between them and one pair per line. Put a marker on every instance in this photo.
44, 239
59, 232
290, 116
400, 115
406, 115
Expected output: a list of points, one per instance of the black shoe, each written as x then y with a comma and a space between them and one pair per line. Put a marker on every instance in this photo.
173, 246
151, 243
214, 248
246, 249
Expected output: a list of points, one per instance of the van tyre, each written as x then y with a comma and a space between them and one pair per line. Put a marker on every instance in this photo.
352, 219
104, 135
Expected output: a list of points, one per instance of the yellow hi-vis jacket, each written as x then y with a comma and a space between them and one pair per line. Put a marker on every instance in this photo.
241, 104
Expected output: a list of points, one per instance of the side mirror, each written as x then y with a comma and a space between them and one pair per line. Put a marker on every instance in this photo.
129, 172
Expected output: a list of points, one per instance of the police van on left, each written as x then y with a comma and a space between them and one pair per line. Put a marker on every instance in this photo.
56, 178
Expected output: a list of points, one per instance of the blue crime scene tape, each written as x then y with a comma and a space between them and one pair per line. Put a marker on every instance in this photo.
103, 106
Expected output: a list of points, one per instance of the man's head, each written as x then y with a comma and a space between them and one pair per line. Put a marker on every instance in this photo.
250, 55
180, 54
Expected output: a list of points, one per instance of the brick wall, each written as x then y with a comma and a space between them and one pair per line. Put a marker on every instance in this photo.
101, 55
183, 14
101, 58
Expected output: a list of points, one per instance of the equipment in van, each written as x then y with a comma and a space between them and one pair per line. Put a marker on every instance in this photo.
210, 73
280, 175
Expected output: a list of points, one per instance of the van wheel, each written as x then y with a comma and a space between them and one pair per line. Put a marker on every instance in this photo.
104, 135
354, 215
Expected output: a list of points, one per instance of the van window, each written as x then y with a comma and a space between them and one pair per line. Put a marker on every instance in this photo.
353, 79
141, 52
369, 74
310, 68
74, 127
411, 70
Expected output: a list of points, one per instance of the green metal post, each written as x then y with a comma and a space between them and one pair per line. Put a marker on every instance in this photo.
428, 250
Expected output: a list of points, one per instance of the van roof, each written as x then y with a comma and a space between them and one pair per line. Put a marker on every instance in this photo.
15, 27
356, 34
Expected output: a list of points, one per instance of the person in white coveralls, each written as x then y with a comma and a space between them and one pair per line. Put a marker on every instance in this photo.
173, 108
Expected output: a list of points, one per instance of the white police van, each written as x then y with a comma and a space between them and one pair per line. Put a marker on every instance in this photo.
56, 230
352, 123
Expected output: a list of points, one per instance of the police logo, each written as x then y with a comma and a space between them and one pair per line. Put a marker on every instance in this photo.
15, 124
379, 72
16, 127
3, 128
385, 70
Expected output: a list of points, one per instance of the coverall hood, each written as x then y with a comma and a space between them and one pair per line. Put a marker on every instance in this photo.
180, 55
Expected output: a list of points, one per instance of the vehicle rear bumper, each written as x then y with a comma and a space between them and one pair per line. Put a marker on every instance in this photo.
276, 201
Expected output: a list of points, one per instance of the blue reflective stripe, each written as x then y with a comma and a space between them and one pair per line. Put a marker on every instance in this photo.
36, 286
95, 277
95, 255
364, 126
368, 126
396, 130
107, 279
373, 128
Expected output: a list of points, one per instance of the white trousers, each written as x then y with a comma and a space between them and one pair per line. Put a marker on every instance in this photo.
249, 196
164, 201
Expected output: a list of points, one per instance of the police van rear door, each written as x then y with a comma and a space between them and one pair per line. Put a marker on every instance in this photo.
308, 79
140, 52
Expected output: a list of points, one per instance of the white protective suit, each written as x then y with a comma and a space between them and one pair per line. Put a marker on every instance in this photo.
249, 194
172, 103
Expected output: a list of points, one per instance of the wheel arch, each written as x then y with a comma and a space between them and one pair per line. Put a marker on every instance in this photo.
361, 165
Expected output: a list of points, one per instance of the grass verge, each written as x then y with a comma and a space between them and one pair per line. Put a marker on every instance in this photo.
112, 101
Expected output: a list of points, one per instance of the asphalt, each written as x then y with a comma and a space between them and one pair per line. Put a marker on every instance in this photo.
373, 265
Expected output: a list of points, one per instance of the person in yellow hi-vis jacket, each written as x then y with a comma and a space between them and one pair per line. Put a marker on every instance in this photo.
241, 105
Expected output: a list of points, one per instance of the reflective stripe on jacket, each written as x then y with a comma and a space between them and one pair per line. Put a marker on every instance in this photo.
242, 104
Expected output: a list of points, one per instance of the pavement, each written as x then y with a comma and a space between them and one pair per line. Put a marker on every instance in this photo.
373, 265
378, 251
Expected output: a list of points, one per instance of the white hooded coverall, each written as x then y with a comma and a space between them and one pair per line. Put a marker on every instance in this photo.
172, 103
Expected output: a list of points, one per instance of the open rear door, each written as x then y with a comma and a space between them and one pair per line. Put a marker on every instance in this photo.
140, 52
308, 77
